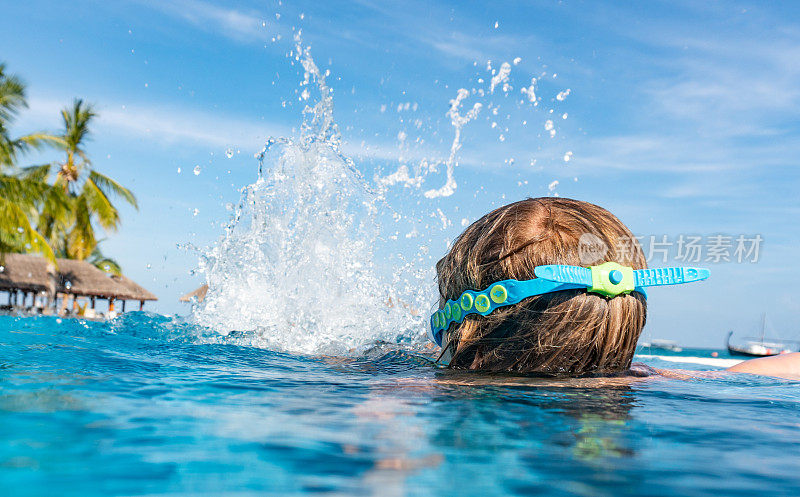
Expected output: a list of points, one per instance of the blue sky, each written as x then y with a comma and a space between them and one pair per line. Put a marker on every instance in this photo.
682, 118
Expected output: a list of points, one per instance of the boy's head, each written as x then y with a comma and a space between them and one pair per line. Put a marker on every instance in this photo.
568, 332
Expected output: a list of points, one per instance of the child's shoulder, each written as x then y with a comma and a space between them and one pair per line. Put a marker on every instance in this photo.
780, 366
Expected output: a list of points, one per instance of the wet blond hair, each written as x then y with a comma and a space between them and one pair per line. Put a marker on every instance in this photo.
565, 333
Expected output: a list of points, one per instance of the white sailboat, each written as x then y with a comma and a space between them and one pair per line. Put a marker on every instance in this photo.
761, 347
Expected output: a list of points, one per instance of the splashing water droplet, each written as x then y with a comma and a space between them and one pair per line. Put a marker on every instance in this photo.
552, 186
149, 266
568, 156
179, 170
563, 95
530, 91
548, 125
229, 153
196, 170
458, 122
2, 269
20, 229
68, 285
500, 77
195, 212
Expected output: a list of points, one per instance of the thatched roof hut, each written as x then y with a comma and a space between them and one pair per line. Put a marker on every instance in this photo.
81, 278
31, 273
27, 273
199, 294
135, 292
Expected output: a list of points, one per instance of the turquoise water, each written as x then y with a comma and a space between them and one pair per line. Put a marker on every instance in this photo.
147, 405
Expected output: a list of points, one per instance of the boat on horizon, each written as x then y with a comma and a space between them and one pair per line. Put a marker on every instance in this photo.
659, 343
760, 346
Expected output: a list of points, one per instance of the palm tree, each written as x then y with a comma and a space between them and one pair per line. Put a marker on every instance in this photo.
88, 190
64, 213
18, 195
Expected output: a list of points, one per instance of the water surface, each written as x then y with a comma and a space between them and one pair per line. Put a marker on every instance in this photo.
148, 405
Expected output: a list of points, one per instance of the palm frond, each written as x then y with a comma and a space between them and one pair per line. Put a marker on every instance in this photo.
106, 184
104, 263
12, 95
21, 191
100, 205
38, 173
12, 100
56, 206
80, 241
17, 234
76, 123
41, 139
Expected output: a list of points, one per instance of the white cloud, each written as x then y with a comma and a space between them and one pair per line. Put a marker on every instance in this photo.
715, 93
455, 47
238, 25
463, 46
162, 124
712, 105
738, 76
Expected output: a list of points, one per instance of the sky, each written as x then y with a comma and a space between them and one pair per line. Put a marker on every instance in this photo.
680, 117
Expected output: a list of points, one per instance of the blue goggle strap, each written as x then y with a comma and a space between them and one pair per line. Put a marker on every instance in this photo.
500, 294
610, 275
609, 279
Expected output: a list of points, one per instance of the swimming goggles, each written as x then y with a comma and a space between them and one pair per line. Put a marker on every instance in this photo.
608, 279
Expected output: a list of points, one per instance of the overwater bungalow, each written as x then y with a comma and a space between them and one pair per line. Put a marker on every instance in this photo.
36, 286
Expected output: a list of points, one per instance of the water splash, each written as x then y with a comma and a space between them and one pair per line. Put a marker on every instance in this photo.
295, 268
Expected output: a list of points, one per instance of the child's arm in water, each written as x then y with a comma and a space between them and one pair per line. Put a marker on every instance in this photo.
781, 366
